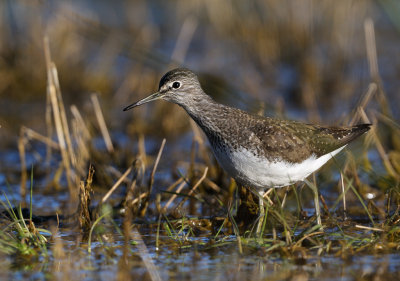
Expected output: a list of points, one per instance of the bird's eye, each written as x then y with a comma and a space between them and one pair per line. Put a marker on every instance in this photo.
176, 85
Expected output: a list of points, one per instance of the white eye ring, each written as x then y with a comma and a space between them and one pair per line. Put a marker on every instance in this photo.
176, 85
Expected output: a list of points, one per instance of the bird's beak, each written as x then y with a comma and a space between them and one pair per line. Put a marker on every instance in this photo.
150, 98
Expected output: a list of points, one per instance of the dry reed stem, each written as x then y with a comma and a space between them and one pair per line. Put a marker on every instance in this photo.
373, 63
137, 172
52, 78
212, 185
173, 197
82, 139
32, 135
145, 255
265, 196
298, 243
387, 120
82, 146
156, 163
142, 148
77, 115
151, 181
369, 228
175, 184
141, 196
27, 134
381, 150
371, 48
372, 88
60, 135
49, 126
193, 188
344, 195
85, 188
102, 123
59, 115
183, 41
114, 187
24, 175
114, 172
63, 115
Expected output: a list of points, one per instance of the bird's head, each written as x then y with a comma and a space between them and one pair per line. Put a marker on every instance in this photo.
179, 86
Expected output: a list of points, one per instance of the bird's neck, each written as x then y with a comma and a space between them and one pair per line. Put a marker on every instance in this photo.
207, 113
200, 106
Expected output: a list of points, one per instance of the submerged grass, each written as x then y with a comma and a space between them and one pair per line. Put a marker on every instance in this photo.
20, 236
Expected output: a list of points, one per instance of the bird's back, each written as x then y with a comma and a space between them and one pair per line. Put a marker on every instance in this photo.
267, 152
275, 139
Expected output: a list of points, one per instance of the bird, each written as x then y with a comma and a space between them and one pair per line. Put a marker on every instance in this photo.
257, 152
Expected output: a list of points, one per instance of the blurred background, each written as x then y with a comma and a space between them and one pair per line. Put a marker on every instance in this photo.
301, 59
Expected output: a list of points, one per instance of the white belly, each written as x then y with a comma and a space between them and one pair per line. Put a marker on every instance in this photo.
259, 173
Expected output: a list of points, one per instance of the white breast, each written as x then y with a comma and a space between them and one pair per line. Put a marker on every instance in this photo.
260, 173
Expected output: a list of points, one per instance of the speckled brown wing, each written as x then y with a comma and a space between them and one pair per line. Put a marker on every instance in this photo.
327, 139
283, 140
295, 141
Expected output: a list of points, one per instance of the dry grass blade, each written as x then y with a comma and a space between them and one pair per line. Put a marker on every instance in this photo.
137, 173
53, 79
371, 48
85, 189
60, 119
364, 102
265, 196
24, 175
173, 197
212, 185
144, 254
156, 163
298, 243
60, 135
369, 228
140, 197
49, 126
63, 114
27, 134
382, 153
114, 187
185, 36
31, 134
193, 188
102, 123
344, 196
75, 112
373, 64
151, 181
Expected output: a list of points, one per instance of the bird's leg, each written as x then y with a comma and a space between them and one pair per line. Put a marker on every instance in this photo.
262, 213
317, 207
344, 197
284, 197
316, 201
314, 188
297, 192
